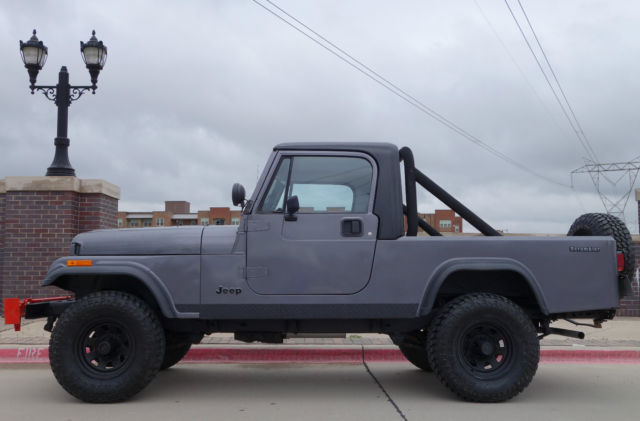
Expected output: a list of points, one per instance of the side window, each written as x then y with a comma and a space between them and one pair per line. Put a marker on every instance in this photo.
274, 200
331, 184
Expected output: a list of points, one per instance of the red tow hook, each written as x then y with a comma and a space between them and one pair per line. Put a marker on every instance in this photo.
620, 259
14, 309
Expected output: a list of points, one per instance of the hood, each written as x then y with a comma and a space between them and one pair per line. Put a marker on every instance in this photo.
138, 241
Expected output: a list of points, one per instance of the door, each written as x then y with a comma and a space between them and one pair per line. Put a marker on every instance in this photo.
328, 247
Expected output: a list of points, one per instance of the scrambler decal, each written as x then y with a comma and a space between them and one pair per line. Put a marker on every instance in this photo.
584, 249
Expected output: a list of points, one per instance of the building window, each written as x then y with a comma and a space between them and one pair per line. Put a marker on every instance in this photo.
457, 228
119, 222
133, 223
204, 221
179, 222
146, 222
159, 222
235, 220
219, 221
445, 223
194, 222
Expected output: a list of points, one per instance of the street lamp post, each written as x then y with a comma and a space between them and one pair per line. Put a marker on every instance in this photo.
34, 55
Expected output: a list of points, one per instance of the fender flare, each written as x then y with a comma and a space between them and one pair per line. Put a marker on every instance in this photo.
143, 274
478, 264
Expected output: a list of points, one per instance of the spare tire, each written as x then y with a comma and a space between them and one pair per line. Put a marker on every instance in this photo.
602, 224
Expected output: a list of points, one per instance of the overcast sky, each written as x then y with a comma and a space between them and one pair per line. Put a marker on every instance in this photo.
195, 94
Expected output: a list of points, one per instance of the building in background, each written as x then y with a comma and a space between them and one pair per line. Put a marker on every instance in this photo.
178, 213
443, 220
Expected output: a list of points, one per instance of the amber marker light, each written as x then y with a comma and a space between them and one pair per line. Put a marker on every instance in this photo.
79, 262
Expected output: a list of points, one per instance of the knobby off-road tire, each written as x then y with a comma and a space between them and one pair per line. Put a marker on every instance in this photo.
414, 349
483, 347
608, 225
175, 349
106, 347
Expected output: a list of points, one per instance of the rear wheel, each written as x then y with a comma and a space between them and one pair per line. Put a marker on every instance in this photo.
106, 347
483, 347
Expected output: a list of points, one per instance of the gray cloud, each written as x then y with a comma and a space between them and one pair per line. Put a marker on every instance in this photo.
195, 94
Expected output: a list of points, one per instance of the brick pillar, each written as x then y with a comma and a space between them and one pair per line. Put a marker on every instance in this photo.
38, 218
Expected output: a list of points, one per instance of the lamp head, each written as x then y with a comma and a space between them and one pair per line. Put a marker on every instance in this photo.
34, 55
94, 54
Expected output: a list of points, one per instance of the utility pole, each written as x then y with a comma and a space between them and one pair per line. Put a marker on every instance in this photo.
614, 173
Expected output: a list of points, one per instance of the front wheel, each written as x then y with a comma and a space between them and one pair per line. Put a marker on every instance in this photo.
483, 347
106, 347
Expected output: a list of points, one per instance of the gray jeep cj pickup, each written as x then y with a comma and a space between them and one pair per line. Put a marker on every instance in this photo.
326, 245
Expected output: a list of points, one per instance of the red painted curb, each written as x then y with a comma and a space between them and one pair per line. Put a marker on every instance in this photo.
590, 356
40, 355
25, 355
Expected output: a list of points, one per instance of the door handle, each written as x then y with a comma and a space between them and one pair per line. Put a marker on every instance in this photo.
351, 227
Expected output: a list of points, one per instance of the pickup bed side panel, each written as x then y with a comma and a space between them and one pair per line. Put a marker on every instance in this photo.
565, 280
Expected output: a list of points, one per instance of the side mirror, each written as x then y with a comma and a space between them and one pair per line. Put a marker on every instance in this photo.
238, 194
293, 206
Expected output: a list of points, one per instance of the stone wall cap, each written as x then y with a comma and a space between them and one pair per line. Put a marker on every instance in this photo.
74, 184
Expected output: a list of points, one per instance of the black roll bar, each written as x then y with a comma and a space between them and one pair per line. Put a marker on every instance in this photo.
412, 176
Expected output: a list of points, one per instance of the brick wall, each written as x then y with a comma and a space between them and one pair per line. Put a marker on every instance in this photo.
630, 305
36, 227
177, 206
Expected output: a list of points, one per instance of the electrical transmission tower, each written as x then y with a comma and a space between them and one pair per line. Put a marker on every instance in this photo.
613, 173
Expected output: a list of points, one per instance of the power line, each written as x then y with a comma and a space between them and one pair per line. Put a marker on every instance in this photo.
555, 94
393, 88
530, 85
553, 73
520, 70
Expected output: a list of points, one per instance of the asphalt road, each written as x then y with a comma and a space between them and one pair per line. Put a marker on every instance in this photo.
325, 392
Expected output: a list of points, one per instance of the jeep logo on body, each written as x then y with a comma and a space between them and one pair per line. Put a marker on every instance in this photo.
232, 291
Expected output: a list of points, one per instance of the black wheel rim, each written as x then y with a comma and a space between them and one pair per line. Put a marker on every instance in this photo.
105, 348
486, 350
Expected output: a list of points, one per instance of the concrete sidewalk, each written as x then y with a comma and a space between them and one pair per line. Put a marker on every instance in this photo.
620, 333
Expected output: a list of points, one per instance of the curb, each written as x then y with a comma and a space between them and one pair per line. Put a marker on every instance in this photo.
353, 355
